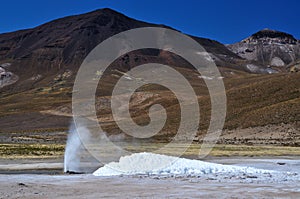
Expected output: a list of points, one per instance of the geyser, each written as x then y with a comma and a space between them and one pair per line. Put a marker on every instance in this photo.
75, 149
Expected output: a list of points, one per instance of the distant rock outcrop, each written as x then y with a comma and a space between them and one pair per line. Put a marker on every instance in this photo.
270, 48
6, 77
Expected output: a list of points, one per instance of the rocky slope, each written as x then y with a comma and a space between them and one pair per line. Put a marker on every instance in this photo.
38, 67
41, 54
270, 48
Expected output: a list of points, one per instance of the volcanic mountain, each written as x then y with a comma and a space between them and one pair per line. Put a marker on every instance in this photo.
37, 54
269, 48
38, 67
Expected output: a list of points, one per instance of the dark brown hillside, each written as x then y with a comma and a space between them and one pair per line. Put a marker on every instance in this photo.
52, 48
39, 65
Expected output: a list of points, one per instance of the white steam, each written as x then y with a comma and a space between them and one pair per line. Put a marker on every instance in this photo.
75, 149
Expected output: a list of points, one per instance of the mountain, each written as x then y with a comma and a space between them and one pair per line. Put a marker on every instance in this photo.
38, 67
40, 54
34, 57
270, 48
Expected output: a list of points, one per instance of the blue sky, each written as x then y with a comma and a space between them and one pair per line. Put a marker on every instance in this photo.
227, 21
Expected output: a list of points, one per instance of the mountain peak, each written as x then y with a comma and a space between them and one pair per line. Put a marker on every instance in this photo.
268, 36
105, 11
269, 48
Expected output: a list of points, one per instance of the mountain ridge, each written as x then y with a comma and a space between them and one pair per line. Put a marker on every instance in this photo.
43, 62
63, 44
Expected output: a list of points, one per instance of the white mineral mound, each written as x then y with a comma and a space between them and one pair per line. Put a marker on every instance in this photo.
155, 164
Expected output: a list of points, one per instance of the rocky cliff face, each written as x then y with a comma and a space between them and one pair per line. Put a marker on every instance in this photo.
270, 48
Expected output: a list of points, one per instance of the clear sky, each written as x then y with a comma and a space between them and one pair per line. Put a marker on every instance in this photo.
227, 21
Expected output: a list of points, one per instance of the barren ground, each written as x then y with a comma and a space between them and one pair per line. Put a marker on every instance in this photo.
31, 185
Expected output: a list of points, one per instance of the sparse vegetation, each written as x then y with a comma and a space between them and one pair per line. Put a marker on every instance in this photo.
57, 150
31, 150
244, 150
253, 100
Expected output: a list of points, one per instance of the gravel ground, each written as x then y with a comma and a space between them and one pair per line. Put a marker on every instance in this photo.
88, 186
31, 185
